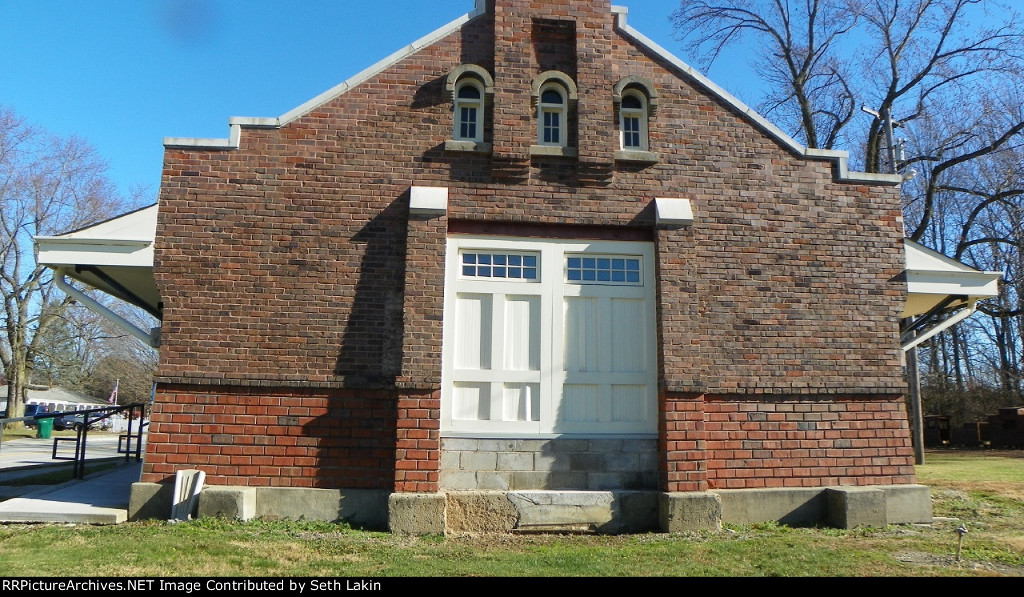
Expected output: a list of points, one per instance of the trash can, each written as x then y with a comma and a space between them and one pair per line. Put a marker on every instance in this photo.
45, 428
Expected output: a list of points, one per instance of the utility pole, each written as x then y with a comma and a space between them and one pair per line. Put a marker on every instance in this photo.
893, 154
916, 416
893, 149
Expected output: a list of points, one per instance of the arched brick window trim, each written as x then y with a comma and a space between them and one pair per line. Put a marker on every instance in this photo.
553, 76
471, 70
641, 84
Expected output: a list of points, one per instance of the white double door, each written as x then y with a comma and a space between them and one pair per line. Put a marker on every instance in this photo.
548, 337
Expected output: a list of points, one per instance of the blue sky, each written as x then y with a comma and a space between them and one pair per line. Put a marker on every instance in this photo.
124, 74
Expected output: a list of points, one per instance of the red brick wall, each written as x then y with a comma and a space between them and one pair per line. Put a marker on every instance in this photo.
423, 313
273, 437
806, 442
291, 261
682, 446
418, 457
286, 261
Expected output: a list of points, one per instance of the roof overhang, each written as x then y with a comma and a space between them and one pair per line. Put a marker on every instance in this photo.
940, 292
114, 256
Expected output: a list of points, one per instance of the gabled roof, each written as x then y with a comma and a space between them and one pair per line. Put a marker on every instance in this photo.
839, 158
116, 256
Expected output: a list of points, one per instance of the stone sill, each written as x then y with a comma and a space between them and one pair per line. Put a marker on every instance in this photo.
553, 151
632, 155
467, 146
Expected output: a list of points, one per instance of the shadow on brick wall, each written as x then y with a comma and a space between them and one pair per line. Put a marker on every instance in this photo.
371, 351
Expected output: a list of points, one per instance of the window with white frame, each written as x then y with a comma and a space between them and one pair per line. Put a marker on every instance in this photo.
551, 115
500, 264
546, 336
633, 120
469, 110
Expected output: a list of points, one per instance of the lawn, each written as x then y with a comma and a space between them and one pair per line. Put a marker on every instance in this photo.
982, 492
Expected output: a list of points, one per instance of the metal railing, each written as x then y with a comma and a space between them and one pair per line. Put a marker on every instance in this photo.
135, 414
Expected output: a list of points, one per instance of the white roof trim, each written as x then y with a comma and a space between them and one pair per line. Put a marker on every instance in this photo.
115, 257
840, 158
126, 240
232, 142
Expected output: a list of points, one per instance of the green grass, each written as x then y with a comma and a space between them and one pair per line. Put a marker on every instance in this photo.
992, 511
953, 465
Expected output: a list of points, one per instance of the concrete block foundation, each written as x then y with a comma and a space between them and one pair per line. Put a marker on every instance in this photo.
227, 502
417, 513
149, 501
793, 507
851, 507
606, 512
360, 508
696, 511
907, 504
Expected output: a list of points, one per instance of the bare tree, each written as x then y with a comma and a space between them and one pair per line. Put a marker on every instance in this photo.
48, 185
975, 215
85, 352
800, 48
924, 55
948, 75
819, 58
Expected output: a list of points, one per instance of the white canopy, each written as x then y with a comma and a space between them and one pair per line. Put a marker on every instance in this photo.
115, 257
938, 286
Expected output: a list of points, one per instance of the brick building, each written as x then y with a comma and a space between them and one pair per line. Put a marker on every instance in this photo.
531, 272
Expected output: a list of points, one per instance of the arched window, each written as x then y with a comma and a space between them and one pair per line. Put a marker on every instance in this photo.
636, 100
554, 96
469, 110
470, 88
633, 121
551, 115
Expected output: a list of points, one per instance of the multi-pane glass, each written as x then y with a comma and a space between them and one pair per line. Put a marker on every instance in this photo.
515, 266
467, 122
603, 270
552, 117
552, 128
468, 105
631, 132
633, 117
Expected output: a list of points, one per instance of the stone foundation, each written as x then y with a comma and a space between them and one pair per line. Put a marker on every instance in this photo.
548, 464
606, 512
361, 508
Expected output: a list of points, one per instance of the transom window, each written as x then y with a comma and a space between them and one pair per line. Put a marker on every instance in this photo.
513, 266
603, 270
